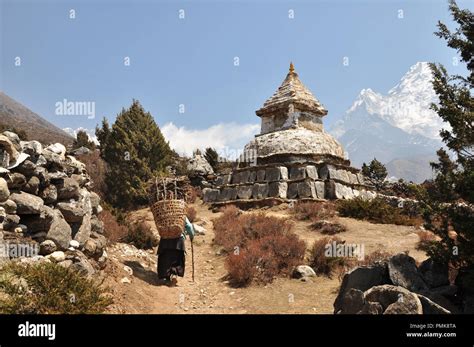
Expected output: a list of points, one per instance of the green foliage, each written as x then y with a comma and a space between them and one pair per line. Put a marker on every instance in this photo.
375, 210
48, 288
375, 173
82, 140
454, 181
135, 151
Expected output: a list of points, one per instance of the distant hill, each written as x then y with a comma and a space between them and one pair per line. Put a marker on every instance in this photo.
14, 114
417, 168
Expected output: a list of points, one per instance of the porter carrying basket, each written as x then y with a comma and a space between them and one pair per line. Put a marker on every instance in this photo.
169, 214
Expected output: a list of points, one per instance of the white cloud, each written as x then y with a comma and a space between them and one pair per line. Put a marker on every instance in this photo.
89, 132
227, 138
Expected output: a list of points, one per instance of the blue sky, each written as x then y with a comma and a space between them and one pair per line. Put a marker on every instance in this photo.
190, 61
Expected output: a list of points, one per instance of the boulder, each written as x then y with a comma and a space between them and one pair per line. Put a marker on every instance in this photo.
81, 264
430, 307
16, 181
4, 191
32, 186
97, 226
57, 256
49, 194
26, 168
352, 302
47, 247
198, 166
433, 273
84, 230
362, 278
41, 222
57, 148
73, 212
68, 189
394, 299
9, 206
403, 272
27, 203
95, 201
59, 231
14, 139
303, 271
32, 148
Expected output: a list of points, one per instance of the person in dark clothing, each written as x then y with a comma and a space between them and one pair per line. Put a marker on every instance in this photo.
171, 255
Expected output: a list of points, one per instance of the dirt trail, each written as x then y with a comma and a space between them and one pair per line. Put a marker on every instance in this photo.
210, 293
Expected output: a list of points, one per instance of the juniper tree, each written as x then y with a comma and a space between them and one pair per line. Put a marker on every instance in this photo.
448, 209
375, 172
82, 140
135, 150
212, 157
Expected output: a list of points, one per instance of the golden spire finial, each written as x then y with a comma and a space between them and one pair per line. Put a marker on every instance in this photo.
292, 67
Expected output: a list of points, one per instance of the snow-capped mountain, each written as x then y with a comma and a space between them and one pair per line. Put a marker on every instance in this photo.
395, 126
89, 132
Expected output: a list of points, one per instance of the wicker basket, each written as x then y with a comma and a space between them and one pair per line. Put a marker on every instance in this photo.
169, 217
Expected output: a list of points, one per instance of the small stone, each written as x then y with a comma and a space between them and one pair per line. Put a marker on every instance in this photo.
125, 280
57, 256
74, 244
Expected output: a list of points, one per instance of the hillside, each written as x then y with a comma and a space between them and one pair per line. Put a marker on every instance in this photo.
14, 114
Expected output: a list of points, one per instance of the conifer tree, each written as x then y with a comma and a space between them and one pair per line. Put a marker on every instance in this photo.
135, 150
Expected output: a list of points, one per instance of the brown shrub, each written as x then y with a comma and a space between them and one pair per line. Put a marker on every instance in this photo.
113, 230
314, 210
320, 261
142, 236
191, 213
96, 168
426, 239
328, 228
259, 247
374, 257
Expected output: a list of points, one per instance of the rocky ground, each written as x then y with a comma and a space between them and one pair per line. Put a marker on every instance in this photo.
131, 273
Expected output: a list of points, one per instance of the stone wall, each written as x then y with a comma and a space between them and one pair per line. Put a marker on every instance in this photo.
297, 181
46, 201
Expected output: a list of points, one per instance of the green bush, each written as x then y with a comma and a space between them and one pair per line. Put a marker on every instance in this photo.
375, 210
48, 288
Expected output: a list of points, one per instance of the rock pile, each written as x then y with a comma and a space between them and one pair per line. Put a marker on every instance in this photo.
46, 203
398, 286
